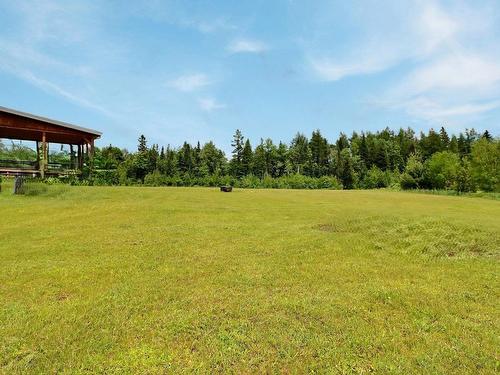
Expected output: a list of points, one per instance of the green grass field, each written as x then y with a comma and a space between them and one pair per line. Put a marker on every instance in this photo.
168, 280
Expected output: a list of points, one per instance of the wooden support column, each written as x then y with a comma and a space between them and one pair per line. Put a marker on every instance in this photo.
43, 164
71, 158
91, 155
80, 162
38, 155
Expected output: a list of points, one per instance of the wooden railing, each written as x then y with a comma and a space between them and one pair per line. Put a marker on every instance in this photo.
18, 164
34, 165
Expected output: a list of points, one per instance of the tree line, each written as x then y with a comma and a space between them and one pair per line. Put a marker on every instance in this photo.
387, 158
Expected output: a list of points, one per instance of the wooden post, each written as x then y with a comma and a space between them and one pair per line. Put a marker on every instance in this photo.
91, 155
38, 155
71, 158
87, 152
80, 163
43, 164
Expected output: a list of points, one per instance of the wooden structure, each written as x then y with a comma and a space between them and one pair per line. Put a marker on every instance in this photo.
25, 126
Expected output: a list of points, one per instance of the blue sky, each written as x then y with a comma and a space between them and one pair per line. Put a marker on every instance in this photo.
197, 70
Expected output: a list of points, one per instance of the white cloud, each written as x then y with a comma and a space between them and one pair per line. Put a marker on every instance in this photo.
247, 46
332, 70
53, 88
209, 26
449, 54
455, 72
210, 104
434, 27
191, 82
427, 109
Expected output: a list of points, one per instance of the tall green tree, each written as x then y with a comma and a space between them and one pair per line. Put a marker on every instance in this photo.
430, 144
236, 161
363, 150
445, 139
246, 159
168, 165
453, 147
212, 159
259, 160
319, 154
185, 159
462, 146
485, 163
281, 159
300, 153
141, 161
142, 146
345, 169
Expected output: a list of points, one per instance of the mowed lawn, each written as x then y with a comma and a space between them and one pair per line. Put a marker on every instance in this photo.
168, 280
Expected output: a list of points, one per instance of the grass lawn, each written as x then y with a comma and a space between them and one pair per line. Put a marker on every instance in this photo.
167, 280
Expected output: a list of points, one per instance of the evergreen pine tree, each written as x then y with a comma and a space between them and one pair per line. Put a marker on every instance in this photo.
259, 160
453, 147
185, 159
237, 145
282, 159
487, 135
462, 145
246, 159
319, 154
445, 139
345, 169
142, 147
300, 153
197, 160
342, 142
363, 150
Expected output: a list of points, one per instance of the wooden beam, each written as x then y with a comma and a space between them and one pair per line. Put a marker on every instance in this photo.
15, 123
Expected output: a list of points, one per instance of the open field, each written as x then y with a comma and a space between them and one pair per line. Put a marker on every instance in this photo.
160, 280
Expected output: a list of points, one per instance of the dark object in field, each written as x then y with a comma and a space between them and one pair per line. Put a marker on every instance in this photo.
226, 189
19, 185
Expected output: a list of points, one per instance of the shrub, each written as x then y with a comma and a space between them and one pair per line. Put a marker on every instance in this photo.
464, 181
376, 178
440, 171
412, 176
155, 178
485, 164
106, 177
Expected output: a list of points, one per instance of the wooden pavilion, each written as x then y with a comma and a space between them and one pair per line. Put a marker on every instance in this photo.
25, 126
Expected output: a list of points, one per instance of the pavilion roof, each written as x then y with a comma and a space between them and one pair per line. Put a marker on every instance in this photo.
21, 125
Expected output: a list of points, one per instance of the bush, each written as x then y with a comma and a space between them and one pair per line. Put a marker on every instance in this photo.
412, 177
376, 178
440, 171
249, 181
106, 177
464, 182
155, 179
485, 164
